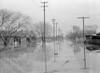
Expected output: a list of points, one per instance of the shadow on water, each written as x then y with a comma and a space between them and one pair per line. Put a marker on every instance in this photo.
77, 47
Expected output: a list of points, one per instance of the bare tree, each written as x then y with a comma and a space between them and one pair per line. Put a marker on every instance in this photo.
10, 23
91, 29
78, 32
39, 29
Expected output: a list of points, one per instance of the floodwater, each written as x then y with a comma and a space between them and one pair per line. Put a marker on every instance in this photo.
65, 57
92, 58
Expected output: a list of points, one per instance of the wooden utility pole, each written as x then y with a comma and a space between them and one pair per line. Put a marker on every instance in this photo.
59, 37
44, 42
56, 30
58, 33
83, 18
54, 37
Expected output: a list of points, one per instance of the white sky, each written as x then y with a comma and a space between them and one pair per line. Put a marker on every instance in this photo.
64, 11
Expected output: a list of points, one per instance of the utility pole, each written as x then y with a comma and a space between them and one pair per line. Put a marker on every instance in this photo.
54, 37
83, 18
59, 37
56, 30
53, 20
58, 33
44, 42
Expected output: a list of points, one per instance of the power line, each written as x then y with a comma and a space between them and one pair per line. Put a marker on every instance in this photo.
36, 4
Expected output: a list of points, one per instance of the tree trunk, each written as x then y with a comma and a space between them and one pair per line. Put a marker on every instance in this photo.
6, 44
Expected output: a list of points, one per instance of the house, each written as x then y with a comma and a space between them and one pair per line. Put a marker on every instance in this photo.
93, 42
17, 39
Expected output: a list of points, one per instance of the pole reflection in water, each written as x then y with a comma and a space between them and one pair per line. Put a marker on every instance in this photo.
39, 53
76, 47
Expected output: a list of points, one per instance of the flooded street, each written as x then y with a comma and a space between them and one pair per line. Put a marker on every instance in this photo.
50, 36
69, 58
92, 59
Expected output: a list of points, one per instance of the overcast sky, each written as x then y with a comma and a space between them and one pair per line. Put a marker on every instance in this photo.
64, 11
